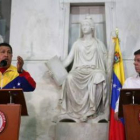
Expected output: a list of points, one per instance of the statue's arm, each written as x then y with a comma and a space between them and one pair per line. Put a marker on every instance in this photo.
69, 58
110, 61
111, 53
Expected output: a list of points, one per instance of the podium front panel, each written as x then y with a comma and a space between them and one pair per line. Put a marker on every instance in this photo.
12, 113
132, 121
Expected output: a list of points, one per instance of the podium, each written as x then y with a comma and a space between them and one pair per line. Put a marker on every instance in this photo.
12, 106
129, 108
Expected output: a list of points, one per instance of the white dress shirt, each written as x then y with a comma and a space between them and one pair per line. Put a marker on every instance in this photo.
131, 82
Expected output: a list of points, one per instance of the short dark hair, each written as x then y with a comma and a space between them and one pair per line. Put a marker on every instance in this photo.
7, 45
137, 52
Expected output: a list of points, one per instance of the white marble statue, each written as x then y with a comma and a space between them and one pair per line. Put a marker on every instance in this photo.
85, 90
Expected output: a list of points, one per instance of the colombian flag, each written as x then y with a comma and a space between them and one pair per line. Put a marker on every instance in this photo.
116, 128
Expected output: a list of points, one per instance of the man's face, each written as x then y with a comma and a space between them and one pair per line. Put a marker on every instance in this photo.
6, 54
137, 63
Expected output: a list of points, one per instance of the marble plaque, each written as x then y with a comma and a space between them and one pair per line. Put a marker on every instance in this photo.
57, 70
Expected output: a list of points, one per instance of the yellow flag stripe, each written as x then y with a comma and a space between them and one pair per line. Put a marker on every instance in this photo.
119, 67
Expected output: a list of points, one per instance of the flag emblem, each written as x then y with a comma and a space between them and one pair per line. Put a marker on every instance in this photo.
117, 57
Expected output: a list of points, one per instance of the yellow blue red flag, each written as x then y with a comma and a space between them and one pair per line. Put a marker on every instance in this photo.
116, 128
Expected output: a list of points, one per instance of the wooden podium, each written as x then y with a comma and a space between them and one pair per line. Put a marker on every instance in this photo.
12, 106
129, 108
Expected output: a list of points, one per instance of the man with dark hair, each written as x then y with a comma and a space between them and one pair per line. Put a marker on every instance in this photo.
137, 52
131, 82
7, 45
11, 76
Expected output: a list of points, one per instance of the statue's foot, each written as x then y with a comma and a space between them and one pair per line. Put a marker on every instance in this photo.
64, 118
100, 118
83, 119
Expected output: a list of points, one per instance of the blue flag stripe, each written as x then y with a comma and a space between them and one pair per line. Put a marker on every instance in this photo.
116, 86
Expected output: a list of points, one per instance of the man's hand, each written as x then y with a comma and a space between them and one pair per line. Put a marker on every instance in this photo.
20, 63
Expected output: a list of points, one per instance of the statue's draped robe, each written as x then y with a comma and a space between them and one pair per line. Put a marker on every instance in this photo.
85, 89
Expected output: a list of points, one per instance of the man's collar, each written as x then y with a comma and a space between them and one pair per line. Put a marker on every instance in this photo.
138, 75
2, 70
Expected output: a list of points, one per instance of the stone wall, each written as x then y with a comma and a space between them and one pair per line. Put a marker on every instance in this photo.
38, 31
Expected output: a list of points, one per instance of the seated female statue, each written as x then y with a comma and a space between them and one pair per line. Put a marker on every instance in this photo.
85, 92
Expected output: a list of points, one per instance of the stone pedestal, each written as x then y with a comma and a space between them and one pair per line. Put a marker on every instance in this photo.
81, 131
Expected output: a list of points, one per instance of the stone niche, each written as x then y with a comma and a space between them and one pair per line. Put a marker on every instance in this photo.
78, 13
102, 14
72, 13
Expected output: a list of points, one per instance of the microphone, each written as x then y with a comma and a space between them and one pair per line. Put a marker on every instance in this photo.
3, 63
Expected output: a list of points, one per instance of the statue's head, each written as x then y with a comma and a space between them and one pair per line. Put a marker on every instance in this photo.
88, 22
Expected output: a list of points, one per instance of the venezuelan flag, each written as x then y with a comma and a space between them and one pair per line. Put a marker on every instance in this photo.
116, 128
11, 79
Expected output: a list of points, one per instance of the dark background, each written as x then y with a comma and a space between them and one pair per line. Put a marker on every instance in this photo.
5, 15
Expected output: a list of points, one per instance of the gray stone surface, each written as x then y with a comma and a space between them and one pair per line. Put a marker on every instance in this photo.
82, 131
